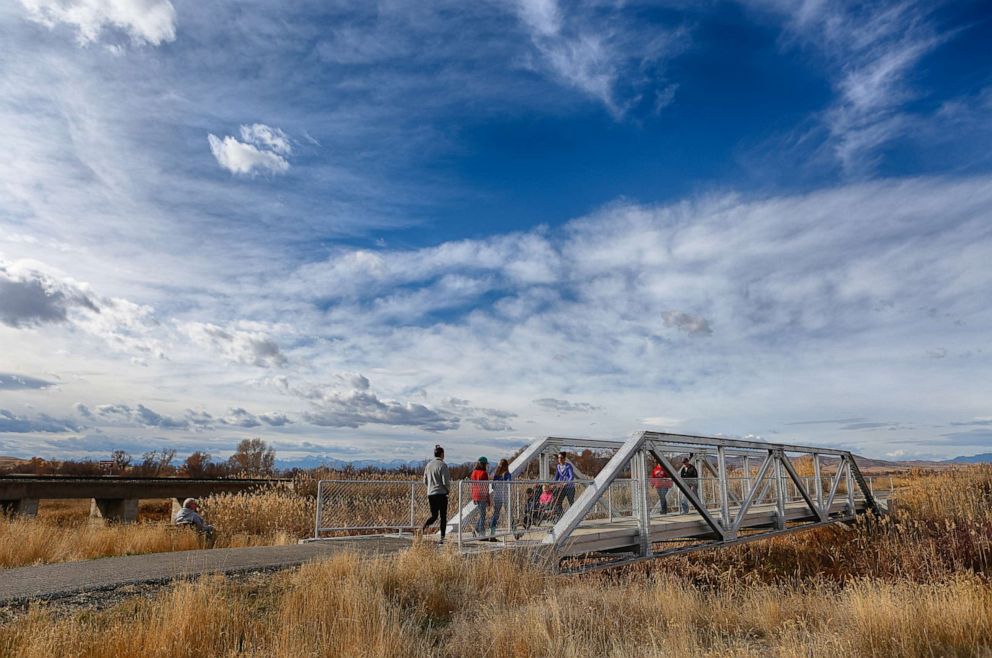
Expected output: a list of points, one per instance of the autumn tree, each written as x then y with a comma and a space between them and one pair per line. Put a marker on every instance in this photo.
253, 457
197, 464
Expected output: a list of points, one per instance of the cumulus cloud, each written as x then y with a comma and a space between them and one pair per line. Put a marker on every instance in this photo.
30, 297
564, 406
693, 325
360, 406
12, 423
275, 419
484, 418
238, 417
249, 345
14, 382
140, 416
144, 21
260, 149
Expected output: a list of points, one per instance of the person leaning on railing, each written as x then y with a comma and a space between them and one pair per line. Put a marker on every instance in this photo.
438, 481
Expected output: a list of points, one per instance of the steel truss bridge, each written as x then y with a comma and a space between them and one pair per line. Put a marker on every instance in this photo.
746, 491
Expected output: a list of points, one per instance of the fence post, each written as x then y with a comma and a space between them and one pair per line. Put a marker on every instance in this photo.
413, 521
320, 504
461, 515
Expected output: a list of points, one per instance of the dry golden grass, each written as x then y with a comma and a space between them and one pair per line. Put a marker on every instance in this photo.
63, 532
426, 603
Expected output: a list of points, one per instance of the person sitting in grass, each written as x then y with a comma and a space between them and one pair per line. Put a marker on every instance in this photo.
189, 517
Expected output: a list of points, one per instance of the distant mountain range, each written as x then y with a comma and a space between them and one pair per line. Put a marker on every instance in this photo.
313, 461
984, 458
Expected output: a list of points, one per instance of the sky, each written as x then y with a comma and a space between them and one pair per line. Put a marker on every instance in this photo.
358, 229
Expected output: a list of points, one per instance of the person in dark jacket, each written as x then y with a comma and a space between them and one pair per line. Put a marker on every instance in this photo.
501, 493
690, 476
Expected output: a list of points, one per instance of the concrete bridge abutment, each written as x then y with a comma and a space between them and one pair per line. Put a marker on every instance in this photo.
20, 506
114, 509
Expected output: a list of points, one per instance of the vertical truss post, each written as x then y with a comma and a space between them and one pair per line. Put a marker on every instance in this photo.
702, 482
779, 492
639, 465
721, 463
850, 487
747, 477
819, 483
544, 473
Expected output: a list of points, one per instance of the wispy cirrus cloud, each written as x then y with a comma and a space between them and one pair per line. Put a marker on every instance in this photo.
871, 51
14, 382
564, 406
593, 48
143, 21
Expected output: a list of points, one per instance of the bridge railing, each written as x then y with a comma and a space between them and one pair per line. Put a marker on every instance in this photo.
346, 507
516, 510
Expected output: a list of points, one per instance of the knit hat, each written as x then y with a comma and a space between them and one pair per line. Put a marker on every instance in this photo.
483, 460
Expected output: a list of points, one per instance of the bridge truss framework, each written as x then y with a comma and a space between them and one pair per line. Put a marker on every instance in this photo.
836, 492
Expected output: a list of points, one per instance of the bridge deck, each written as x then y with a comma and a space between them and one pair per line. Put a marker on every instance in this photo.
622, 532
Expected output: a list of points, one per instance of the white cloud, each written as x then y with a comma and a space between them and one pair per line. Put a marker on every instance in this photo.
261, 149
246, 343
144, 21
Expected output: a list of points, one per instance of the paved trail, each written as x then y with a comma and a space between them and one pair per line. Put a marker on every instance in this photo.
53, 581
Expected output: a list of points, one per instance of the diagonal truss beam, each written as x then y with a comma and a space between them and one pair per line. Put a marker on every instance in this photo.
820, 514
841, 465
752, 495
692, 497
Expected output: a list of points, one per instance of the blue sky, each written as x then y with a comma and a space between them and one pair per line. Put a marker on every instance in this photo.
358, 229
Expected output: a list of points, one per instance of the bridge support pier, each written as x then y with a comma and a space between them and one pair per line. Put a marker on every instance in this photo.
114, 509
20, 506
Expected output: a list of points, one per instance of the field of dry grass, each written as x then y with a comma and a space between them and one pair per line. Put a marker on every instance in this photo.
62, 531
913, 584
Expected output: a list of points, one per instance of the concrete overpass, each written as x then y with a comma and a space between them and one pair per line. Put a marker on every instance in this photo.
113, 498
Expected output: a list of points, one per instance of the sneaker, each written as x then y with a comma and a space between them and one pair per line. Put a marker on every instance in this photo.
440, 542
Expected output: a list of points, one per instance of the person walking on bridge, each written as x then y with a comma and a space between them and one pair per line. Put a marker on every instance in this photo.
501, 493
438, 481
662, 483
690, 476
480, 494
564, 473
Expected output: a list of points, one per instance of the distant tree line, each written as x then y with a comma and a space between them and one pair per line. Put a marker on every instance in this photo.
252, 458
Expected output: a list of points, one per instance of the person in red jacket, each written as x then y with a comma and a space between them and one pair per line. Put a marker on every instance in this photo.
480, 494
662, 483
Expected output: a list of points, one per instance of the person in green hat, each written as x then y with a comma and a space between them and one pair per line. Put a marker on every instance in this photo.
480, 494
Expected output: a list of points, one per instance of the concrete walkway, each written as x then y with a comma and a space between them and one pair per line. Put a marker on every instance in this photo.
54, 581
